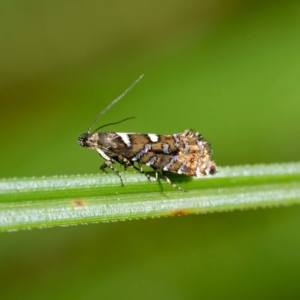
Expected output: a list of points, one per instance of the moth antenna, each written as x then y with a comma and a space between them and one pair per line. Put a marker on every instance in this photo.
114, 102
114, 123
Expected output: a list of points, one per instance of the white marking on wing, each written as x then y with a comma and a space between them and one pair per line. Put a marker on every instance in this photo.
153, 137
176, 140
151, 161
201, 146
186, 147
142, 152
166, 148
124, 137
182, 167
167, 167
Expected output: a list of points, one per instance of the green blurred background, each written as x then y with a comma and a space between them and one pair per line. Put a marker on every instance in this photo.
229, 69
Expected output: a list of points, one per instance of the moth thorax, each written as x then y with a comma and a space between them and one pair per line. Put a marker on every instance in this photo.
107, 139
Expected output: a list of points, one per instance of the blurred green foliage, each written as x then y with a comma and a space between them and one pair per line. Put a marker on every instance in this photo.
229, 69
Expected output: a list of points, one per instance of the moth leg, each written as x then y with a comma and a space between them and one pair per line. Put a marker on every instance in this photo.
170, 182
140, 169
125, 162
108, 164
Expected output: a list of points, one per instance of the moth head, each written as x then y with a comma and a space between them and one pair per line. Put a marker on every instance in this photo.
88, 140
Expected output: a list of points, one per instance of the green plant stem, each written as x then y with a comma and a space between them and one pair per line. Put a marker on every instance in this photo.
70, 200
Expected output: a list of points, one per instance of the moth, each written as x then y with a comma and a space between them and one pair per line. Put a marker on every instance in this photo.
182, 153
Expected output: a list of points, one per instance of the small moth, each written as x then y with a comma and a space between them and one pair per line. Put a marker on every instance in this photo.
182, 153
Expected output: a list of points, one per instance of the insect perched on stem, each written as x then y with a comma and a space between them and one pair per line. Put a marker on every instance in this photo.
182, 153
